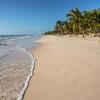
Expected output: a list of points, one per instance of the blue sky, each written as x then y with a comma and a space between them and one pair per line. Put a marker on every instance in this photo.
37, 16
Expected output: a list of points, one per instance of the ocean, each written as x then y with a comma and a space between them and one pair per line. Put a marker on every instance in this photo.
16, 65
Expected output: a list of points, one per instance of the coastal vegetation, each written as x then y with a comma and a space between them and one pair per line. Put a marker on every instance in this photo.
79, 23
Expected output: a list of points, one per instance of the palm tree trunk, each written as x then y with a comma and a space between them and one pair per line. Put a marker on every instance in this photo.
83, 34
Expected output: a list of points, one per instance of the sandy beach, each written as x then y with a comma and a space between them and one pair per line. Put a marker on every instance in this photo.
67, 68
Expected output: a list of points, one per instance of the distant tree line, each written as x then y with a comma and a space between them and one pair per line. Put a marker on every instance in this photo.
79, 23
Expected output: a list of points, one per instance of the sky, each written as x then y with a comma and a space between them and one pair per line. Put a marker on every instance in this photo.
37, 16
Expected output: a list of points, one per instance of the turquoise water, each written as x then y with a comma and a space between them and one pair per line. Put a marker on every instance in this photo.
16, 65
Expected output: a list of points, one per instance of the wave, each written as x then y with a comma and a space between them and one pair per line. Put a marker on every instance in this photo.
26, 84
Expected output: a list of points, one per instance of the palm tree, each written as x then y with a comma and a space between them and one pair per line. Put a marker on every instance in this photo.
92, 18
75, 19
79, 23
83, 26
59, 27
65, 28
96, 16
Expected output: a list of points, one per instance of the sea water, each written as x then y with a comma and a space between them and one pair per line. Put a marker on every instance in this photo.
16, 65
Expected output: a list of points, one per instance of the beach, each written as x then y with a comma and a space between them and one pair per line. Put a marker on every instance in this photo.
66, 68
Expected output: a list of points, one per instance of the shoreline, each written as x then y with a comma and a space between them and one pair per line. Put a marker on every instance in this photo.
51, 82
17, 65
26, 83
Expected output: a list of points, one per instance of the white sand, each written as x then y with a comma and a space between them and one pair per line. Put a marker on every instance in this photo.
67, 68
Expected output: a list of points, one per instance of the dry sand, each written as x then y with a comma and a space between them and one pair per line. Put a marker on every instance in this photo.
67, 68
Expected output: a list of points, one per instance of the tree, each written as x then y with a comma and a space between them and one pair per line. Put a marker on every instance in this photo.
59, 27
86, 22
93, 20
75, 19
66, 28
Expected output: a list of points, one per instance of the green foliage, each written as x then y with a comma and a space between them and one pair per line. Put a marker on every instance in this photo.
86, 22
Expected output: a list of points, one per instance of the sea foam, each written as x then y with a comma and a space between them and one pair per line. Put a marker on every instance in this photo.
21, 95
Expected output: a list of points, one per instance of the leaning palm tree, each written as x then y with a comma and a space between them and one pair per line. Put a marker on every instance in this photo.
75, 19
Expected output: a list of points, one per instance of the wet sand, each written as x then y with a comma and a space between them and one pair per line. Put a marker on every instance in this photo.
67, 68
